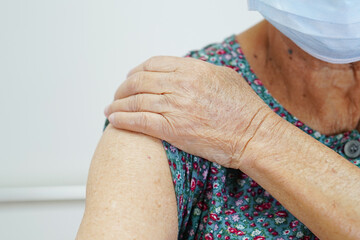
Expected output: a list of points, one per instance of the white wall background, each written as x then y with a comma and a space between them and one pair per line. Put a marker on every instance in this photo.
60, 64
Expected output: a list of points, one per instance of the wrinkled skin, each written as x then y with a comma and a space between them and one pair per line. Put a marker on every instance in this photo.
206, 110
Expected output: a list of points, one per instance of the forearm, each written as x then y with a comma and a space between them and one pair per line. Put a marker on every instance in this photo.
317, 185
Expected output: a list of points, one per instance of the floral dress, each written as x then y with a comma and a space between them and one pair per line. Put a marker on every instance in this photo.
215, 202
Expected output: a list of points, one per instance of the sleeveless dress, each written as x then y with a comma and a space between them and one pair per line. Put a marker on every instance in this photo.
215, 202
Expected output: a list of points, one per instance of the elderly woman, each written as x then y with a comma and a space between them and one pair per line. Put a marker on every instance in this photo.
268, 126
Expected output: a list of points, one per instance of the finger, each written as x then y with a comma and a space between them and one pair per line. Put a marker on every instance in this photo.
139, 103
158, 64
144, 82
144, 122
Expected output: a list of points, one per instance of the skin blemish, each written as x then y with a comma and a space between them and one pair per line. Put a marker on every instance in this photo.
148, 157
255, 56
290, 51
157, 182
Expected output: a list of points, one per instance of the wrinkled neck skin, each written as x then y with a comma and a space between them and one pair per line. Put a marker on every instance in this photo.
324, 96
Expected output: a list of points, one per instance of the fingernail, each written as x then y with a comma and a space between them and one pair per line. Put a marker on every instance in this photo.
106, 111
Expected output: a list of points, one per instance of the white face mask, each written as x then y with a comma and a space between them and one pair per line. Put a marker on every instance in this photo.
326, 29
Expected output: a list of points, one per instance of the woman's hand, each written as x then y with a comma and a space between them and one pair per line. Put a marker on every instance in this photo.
206, 110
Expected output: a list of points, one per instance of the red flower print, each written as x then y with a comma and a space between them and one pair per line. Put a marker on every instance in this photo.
180, 199
240, 233
214, 170
204, 58
214, 217
263, 206
230, 211
281, 214
245, 207
298, 124
174, 165
258, 82
233, 230
183, 159
294, 223
243, 176
202, 206
266, 205
209, 236
254, 184
259, 238
274, 233
200, 183
193, 184
220, 51
227, 238
239, 194
218, 236
195, 165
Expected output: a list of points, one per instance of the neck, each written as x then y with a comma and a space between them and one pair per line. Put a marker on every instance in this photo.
324, 96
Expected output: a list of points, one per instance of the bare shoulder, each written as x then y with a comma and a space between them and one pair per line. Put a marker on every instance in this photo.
130, 194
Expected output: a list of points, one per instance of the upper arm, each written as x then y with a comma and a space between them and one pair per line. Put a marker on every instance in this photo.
130, 194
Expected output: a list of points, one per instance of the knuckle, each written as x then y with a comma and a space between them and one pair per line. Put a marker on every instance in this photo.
187, 81
135, 81
166, 100
148, 65
114, 120
186, 86
109, 108
113, 107
169, 103
209, 70
143, 121
135, 103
